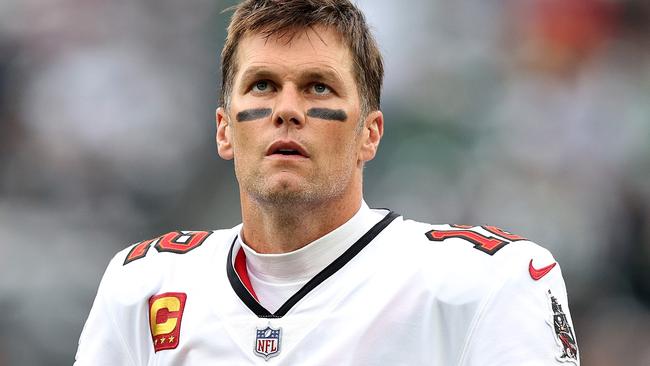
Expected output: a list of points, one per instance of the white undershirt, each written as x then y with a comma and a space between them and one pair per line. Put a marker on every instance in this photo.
276, 277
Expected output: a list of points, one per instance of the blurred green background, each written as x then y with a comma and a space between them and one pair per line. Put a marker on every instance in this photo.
532, 115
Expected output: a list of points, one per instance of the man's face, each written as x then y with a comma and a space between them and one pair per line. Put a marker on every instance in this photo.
292, 126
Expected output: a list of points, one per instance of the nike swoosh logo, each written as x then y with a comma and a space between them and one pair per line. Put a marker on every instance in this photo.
537, 274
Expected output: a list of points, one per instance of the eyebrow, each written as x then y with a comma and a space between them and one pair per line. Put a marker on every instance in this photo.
254, 74
324, 75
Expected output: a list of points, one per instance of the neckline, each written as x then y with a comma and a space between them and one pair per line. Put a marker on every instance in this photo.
304, 263
248, 297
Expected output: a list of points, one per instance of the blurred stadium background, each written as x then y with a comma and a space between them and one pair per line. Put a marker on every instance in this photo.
533, 115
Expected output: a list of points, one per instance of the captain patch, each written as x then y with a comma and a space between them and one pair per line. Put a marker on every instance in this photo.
165, 316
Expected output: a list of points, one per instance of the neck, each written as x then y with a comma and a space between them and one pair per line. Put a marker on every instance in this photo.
284, 228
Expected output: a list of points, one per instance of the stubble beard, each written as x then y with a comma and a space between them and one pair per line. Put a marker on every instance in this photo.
291, 197
314, 192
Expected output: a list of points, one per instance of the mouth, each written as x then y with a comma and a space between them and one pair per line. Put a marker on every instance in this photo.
286, 149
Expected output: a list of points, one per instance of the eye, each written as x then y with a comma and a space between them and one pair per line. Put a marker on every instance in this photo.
261, 86
321, 89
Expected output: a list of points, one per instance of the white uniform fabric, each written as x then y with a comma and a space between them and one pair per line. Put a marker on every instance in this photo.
405, 298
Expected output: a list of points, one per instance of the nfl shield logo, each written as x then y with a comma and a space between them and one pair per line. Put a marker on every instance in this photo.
267, 342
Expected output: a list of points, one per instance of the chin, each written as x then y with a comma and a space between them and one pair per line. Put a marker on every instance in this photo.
284, 197
292, 190
287, 190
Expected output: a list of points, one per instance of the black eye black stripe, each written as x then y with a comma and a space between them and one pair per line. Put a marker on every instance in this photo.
328, 114
321, 113
253, 114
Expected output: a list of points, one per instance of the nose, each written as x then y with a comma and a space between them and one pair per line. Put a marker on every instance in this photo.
288, 108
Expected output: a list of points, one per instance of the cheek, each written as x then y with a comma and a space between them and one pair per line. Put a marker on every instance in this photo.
243, 146
341, 148
246, 134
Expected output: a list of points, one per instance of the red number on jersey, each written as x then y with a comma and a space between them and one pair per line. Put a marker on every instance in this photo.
181, 242
481, 242
139, 251
504, 234
175, 242
489, 245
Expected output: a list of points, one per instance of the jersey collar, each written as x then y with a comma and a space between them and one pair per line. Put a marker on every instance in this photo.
241, 284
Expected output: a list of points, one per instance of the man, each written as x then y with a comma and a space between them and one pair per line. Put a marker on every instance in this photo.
313, 276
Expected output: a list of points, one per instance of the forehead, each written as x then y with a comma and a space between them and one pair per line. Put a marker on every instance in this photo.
295, 50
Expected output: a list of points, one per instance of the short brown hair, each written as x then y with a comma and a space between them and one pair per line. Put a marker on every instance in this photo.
277, 17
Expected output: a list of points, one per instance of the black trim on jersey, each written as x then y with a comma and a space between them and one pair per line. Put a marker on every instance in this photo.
320, 277
241, 290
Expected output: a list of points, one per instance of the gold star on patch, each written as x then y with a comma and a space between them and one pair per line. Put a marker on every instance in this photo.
170, 339
162, 339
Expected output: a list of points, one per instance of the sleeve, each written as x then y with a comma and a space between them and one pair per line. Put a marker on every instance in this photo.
525, 321
101, 341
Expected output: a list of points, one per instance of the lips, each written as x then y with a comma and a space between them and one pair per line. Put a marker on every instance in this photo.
286, 148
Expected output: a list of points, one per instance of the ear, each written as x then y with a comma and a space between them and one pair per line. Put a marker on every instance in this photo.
373, 130
224, 143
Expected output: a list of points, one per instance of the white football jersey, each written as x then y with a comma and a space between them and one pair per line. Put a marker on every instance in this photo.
404, 293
